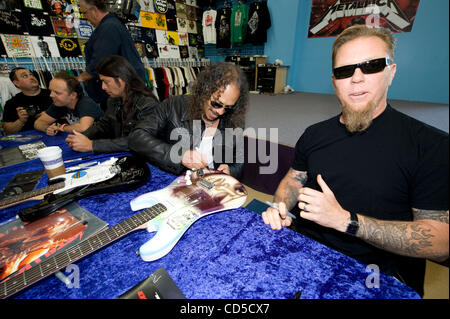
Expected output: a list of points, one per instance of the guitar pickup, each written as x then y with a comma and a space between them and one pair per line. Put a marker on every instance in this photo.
206, 184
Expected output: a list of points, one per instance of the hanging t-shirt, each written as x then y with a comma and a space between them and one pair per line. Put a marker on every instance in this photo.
223, 32
209, 26
258, 23
239, 20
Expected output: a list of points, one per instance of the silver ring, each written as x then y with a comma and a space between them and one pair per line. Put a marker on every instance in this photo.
304, 207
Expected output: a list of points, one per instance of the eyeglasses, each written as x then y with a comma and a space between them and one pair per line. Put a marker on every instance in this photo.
218, 105
367, 67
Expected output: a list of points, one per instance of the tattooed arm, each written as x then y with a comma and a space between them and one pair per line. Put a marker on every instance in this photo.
285, 197
427, 236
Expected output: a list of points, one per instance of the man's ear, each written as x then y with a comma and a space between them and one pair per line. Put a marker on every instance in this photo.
15, 83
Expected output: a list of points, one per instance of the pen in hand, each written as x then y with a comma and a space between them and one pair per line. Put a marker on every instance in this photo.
276, 207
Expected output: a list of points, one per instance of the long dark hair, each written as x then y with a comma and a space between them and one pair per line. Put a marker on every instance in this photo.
116, 66
214, 79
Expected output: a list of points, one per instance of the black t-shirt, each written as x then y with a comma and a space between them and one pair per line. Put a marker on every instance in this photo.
397, 164
223, 29
35, 104
84, 107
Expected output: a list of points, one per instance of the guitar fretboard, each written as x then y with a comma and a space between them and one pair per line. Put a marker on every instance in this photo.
72, 254
22, 197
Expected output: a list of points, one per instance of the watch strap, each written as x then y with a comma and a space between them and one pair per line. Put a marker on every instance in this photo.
353, 226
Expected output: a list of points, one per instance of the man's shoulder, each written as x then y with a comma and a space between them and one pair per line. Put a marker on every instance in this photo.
407, 123
322, 125
15, 99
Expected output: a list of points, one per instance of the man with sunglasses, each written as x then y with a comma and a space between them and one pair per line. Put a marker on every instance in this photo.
371, 182
201, 130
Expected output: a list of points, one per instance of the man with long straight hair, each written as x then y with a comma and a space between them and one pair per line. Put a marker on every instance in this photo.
129, 102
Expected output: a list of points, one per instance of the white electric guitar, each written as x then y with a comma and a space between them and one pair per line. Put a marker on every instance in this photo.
171, 211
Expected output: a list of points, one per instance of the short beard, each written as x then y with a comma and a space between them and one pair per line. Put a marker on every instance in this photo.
358, 121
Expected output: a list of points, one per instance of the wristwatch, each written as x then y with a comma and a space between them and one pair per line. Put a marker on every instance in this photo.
353, 226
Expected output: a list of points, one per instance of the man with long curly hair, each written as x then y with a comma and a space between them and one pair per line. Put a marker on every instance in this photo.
201, 130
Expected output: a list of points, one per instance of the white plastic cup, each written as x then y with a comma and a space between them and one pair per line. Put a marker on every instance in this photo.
52, 159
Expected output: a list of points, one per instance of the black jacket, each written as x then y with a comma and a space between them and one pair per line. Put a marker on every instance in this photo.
151, 138
110, 132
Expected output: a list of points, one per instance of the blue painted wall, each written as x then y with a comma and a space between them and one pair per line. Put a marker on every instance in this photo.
422, 55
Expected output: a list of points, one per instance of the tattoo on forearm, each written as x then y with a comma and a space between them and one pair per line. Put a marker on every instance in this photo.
438, 215
403, 238
301, 177
290, 186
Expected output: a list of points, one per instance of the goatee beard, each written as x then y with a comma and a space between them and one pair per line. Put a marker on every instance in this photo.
358, 121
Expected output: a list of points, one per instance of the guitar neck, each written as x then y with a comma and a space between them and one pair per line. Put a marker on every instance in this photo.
51, 265
36, 194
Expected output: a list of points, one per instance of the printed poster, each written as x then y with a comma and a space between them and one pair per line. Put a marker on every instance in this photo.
330, 17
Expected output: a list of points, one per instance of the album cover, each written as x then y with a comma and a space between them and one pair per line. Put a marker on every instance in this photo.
146, 5
181, 10
11, 22
20, 154
28, 244
68, 47
17, 46
45, 47
63, 28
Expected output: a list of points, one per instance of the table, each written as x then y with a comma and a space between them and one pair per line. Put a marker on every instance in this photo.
230, 254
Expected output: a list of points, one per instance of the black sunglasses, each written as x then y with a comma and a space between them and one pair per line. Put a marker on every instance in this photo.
367, 67
217, 105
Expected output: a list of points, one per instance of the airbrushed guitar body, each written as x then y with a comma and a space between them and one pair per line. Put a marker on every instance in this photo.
186, 203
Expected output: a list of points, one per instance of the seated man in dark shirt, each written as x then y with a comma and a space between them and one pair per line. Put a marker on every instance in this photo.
129, 102
24, 108
371, 182
70, 105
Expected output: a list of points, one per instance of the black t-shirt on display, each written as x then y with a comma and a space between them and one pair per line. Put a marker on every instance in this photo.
397, 164
36, 104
